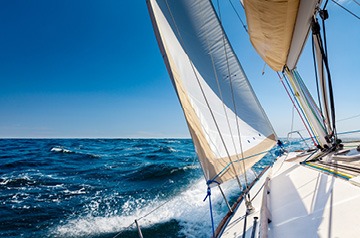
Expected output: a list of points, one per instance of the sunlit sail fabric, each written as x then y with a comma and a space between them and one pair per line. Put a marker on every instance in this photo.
225, 119
278, 29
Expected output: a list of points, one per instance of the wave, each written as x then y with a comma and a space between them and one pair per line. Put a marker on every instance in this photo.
157, 171
76, 192
61, 150
66, 151
15, 164
187, 208
185, 168
166, 150
17, 181
30, 179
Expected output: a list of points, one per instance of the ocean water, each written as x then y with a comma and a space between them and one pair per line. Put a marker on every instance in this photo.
98, 187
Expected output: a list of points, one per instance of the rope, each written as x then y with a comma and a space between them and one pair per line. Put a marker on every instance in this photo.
227, 166
167, 182
154, 210
211, 212
123, 230
330, 88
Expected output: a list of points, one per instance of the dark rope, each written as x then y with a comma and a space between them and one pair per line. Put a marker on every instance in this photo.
325, 4
244, 229
330, 88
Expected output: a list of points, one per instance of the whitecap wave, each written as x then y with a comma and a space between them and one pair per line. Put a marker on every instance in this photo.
76, 192
187, 208
189, 167
60, 150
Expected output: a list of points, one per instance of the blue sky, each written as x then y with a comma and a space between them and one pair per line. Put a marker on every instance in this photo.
93, 69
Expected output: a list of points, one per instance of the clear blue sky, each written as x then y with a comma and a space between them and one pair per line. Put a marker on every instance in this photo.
93, 69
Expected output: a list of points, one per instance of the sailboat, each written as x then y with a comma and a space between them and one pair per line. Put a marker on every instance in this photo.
309, 193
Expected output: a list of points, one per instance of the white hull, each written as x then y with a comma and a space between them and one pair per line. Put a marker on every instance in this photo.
302, 202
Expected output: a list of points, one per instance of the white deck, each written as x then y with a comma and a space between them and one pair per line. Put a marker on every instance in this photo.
304, 202
235, 226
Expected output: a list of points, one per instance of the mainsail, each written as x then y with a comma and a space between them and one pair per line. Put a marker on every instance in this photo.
228, 126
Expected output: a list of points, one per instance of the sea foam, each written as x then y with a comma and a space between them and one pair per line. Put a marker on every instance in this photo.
187, 208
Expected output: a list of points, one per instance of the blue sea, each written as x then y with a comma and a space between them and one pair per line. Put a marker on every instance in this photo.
98, 187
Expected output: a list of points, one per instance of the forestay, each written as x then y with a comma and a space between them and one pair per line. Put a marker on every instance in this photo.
226, 122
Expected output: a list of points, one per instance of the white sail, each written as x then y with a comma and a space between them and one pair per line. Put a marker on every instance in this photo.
227, 124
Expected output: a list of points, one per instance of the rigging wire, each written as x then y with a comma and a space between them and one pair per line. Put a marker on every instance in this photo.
226, 115
348, 118
307, 97
238, 15
122, 231
297, 109
202, 91
233, 101
346, 9
142, 217
356, 2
